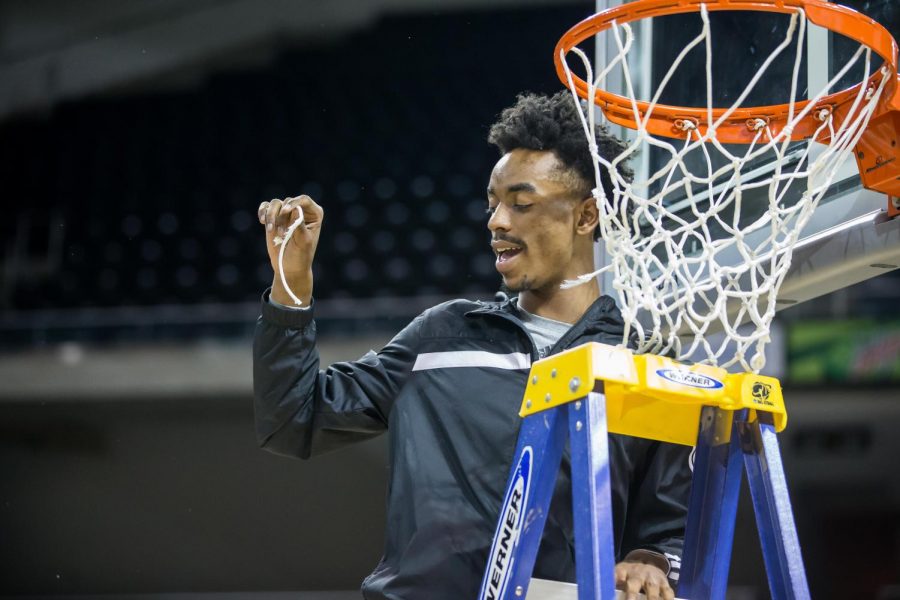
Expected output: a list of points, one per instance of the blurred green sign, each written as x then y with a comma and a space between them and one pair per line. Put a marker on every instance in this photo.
852, 351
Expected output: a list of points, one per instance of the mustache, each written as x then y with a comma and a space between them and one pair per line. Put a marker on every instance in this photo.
500, 237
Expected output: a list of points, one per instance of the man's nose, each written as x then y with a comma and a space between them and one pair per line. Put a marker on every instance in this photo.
499, 220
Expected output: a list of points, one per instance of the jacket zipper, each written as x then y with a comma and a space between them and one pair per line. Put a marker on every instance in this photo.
574, 332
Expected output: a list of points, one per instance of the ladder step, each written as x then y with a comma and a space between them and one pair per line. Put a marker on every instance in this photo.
544, 589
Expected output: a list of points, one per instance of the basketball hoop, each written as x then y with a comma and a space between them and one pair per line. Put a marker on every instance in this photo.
675, 288
737, 125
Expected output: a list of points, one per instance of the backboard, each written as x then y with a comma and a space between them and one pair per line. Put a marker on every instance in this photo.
849, 238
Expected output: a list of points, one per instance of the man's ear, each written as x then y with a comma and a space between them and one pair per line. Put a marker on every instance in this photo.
587, 217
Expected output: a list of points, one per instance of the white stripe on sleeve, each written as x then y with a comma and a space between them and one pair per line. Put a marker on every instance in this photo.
471, 358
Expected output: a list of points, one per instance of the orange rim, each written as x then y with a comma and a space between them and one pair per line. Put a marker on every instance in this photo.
665, 119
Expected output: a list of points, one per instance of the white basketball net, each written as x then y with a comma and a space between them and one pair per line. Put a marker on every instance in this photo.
680, 279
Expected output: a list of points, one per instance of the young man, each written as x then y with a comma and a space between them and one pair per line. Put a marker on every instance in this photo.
447, 388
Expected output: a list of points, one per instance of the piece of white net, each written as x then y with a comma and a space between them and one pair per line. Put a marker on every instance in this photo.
282, 243
695, 252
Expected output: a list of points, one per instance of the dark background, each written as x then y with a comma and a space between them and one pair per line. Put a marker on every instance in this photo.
136, 142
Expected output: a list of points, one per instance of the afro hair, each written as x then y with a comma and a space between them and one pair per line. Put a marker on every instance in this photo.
540, 122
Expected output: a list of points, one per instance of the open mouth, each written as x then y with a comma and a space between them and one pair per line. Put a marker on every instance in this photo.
507, 254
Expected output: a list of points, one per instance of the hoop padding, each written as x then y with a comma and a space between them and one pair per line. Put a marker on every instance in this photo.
701, 245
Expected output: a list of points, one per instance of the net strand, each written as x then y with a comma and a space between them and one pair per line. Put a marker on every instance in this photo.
282, 243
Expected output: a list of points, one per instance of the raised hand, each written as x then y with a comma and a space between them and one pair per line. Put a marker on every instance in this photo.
292, 256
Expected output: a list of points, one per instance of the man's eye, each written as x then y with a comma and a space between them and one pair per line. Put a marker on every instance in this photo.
490, 210
521, 207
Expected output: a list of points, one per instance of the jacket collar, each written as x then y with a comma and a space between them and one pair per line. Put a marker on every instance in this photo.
602, 316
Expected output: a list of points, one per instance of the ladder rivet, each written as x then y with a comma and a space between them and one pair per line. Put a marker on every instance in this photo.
547, 398
534, 380
553, 373
519, 590
578, 405
527, 403
574, 384
578, 425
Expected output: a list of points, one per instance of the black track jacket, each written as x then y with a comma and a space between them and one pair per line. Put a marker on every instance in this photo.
448, 389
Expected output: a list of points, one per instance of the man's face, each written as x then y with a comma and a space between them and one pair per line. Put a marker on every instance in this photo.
534, 206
